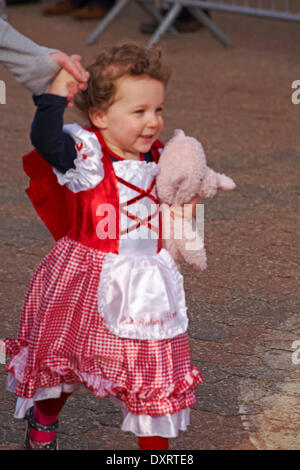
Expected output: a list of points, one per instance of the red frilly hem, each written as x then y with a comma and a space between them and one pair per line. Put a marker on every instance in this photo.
144, 399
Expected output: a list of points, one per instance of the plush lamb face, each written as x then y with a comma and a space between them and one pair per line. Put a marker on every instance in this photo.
184, 174
182, 168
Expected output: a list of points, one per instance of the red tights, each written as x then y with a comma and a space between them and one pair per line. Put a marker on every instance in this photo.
153, 443
47, 411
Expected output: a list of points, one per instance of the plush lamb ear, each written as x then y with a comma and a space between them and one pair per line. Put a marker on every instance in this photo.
178, 133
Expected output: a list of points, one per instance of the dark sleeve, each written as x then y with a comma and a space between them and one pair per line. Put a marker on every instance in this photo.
47, 135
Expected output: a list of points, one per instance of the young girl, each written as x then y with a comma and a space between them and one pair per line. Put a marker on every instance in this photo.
106, 307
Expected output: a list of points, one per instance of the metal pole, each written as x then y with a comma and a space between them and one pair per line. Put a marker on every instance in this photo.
234, 8
157, 16
168, 20
109, 17
201, 16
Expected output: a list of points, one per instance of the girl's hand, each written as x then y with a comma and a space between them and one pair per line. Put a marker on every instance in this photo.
194, 201
191, 212
60, 84
186, 213
64, 84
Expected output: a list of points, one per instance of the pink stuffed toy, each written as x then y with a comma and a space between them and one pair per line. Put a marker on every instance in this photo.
183, 175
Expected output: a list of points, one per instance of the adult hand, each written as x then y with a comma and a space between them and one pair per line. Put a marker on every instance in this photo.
72, 65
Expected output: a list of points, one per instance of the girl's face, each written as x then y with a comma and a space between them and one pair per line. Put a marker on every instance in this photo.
134, 121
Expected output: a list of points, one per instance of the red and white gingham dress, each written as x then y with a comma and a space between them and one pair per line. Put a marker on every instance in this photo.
68, 342
62, 339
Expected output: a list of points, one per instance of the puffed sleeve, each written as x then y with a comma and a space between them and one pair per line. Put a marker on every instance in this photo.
88, 171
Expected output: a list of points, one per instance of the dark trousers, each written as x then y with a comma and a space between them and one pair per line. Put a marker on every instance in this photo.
105, 4
183, 16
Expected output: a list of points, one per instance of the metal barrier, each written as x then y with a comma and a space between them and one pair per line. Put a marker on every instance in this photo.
149, 6
287, 10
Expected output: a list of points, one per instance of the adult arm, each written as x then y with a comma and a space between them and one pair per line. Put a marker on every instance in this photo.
30, 64
35, 66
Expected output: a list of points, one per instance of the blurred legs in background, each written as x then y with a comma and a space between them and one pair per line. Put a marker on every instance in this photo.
184, 23
97, 9
80, 9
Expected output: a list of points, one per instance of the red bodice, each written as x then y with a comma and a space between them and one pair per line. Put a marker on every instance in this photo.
76, 215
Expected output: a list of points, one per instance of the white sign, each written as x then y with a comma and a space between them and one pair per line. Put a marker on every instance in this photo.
2, 92
295, 95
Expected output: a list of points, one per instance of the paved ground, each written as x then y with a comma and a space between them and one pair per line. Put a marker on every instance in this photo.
244, 310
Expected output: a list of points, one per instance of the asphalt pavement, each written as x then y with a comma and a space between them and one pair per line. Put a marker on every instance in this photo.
244, 309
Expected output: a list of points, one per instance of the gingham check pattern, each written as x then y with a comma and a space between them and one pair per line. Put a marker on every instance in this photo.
67, 341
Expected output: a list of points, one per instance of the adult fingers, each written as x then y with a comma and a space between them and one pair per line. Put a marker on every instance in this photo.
71, 65
84, 72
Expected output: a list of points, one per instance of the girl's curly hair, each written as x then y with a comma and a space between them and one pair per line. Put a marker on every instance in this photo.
128, 59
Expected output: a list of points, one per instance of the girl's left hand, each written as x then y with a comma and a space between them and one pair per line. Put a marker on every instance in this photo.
186, 212
194, 201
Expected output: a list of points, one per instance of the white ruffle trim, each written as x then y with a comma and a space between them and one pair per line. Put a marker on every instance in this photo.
141, 425
144, 425
142, 297
88, 171
23, 404
131, 170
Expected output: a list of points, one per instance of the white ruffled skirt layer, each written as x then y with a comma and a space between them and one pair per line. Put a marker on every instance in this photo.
167, 426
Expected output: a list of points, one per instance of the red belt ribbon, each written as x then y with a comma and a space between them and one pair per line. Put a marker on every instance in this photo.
143, 193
